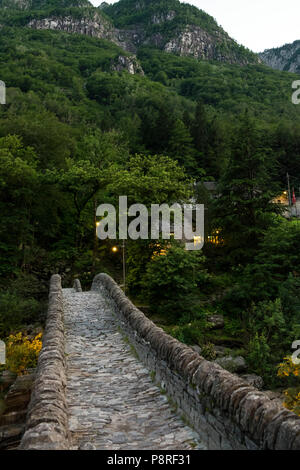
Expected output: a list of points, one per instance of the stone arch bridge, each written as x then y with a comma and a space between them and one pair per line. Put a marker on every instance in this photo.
108, 378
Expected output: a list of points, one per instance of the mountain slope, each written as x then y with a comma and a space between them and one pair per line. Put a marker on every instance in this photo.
169, 25
177, 27
286, 58
75, 84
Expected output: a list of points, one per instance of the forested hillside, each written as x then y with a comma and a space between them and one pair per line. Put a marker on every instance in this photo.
87, 121
168, 25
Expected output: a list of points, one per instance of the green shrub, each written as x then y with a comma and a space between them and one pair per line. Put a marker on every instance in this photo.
186, 334
208, 352
16, 312
259, 357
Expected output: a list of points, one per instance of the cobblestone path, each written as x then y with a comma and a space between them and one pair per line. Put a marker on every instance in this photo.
112, 401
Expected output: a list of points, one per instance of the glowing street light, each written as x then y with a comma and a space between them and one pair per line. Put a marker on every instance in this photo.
115, 249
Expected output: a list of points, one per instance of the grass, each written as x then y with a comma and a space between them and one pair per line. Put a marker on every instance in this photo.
193, 444
153, 375
172, 404
127, 341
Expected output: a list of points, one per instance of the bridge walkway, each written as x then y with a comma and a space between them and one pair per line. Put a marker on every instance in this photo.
112, 401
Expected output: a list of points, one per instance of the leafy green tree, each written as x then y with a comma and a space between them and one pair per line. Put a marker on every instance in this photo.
138, 255
107, 88
103, 149
152, 180
19, 185
259, 357
82, 180
267, 318
171, 281
161, 77
51, 139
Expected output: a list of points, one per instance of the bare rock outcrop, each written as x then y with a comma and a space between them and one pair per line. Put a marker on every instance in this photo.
286, 58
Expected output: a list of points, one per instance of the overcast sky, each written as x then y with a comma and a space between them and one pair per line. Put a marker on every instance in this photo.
257, 24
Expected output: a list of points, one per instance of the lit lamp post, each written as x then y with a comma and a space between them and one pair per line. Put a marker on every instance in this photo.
95, 248
115, 250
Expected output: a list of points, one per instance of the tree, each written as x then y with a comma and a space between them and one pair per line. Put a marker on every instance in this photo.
271, 283
157, 124
148, 180
218, 151
274, 269
151, 180
171, 281
180, 146
19, 185
200, 132
82, 180
103, 148
245, 209
51, 139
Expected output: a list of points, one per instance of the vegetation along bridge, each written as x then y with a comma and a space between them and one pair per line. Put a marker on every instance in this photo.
108, 378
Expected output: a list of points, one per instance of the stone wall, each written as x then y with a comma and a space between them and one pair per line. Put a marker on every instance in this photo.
227, 412
77, 286
13, 408
47, 418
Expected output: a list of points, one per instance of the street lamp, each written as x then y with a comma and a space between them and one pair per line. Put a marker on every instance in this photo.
115, 249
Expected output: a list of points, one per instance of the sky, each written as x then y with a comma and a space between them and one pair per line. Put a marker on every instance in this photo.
257, 24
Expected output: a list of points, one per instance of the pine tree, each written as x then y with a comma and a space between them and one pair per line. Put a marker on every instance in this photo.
200, 132
244, 209
180, 145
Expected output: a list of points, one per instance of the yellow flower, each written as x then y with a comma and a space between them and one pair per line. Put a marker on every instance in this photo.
22, 352
285, 369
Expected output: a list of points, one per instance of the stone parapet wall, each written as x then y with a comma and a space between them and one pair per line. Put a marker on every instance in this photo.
226, 411
77, 286
47, 417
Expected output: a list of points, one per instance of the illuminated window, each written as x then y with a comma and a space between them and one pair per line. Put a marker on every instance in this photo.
215, 237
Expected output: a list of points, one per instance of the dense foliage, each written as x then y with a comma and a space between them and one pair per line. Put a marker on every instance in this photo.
75, 133
292, 395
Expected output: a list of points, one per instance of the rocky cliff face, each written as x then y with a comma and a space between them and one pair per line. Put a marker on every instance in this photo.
16, 4
175, 27
196, 42
95, 25
168, 25
285, 58
129, 63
